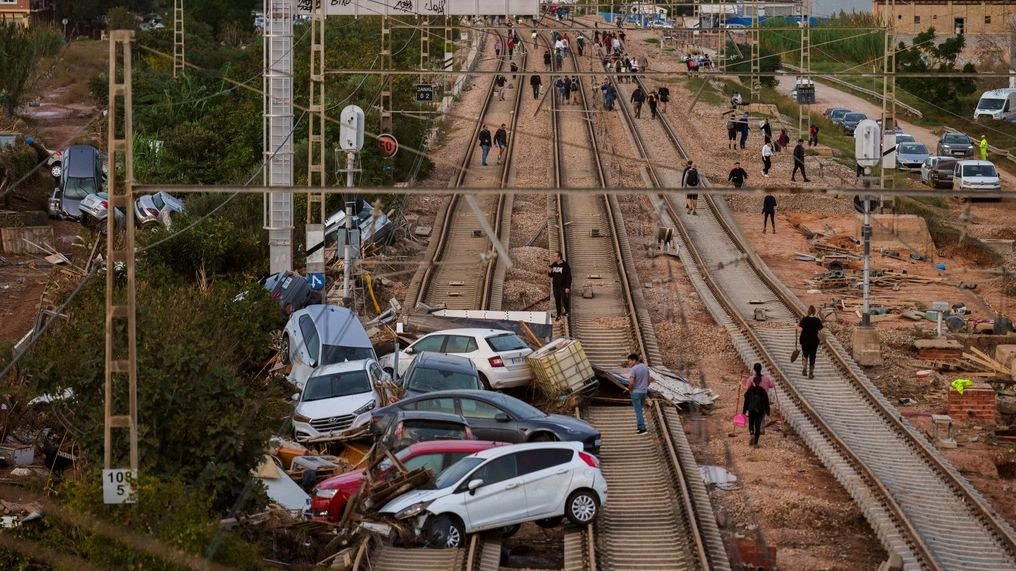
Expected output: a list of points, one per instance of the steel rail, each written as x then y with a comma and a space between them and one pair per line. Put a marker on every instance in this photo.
923, 553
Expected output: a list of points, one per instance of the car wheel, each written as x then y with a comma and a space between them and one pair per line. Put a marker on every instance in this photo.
486, 383
56, 170
445, 531
284, 350
582, 507
550, 522
543, 437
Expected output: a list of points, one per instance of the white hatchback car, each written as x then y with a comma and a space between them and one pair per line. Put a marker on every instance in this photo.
320, 335
499, 355
504, 487
333, 396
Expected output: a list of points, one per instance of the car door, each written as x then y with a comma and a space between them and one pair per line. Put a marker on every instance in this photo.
547, 474
500, 500
488, 421
432, 343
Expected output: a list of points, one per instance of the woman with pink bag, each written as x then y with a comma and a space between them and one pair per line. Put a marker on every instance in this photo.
756, 405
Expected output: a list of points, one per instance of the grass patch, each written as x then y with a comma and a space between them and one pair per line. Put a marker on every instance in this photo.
709, 95
67, 72
651, 41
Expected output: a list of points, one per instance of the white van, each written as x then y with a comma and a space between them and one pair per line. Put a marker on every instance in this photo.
976, 175
997, 104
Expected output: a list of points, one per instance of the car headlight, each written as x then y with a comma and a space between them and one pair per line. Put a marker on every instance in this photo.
325, 494
366, 407
412, 511
297, 417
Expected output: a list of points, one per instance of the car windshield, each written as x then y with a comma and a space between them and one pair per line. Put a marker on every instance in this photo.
518, 409
78, 188
331, 354
456, 471
901, 138
990, 104
336, 385
425, 380
157, 200
956, 139
947, 166
979, 170
913, 149
839, 112
505, 342
854, 117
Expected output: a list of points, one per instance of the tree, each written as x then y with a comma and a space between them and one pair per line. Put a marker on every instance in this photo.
769, 61
17, 58
202, 414
924, 55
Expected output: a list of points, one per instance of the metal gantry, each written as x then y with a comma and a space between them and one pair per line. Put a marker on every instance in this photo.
889, 91
756, 80
278, 131
803, 114
178, 47
121, 403
386, 82
316, 143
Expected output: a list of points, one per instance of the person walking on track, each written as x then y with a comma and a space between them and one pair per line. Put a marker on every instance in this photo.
810, 328
638, 387
768, 212
637, 97
756, 406
560, 280
799, 161
484, 140
536, 83
690, 179
501, 142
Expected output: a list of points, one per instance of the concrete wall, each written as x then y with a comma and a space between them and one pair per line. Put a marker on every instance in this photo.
907, 231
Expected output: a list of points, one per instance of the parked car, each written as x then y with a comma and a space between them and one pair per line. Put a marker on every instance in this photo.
149, 208
374, 228
439, 372
492, 416
505, 486
320, 335
412, 426
329, 497
499, 355
976, 175
292, 292
81, 174
836, 115
910, 156
850, 121
334, 396
828, 113
937, 172
955, 145
8, 139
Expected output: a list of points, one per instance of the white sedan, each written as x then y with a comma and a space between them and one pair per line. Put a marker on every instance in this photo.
503, 487
499, 355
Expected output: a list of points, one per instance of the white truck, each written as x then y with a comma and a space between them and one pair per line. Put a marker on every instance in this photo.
997, 104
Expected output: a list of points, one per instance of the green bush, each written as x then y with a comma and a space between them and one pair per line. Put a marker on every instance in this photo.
846, 38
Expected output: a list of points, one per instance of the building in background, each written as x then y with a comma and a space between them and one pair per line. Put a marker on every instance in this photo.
949, 17
17, 11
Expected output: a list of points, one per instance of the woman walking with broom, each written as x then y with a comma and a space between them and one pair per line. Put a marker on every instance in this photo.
810, 328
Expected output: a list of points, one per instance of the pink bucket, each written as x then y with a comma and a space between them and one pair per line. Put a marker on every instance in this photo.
740, 419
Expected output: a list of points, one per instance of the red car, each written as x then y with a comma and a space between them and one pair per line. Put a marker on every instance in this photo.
328, 500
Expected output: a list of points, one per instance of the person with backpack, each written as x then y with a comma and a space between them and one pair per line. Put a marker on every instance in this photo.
575, 89
651, 99
731, 134
690, 179
756, 406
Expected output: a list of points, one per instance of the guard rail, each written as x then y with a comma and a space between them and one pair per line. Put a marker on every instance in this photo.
992, 149
870, 93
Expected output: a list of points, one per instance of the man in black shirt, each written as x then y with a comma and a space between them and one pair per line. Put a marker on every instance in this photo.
484, 140
768, 212
560, 278
799, 161
664, 93
737, 175
501, 142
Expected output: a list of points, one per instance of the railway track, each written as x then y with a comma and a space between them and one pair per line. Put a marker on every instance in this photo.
659, 515
915, 501
463, 270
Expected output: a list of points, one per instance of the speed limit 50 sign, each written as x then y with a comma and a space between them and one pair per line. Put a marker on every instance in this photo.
388, 144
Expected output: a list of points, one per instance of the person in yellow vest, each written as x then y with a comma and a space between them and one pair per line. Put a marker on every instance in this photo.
984, 148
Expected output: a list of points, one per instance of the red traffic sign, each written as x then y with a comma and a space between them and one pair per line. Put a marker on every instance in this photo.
388, 144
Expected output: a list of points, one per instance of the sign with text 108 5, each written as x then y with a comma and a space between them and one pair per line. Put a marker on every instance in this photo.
118, 486
424, 92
